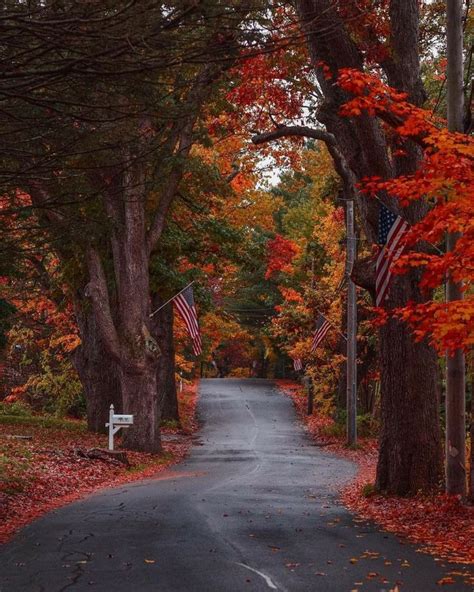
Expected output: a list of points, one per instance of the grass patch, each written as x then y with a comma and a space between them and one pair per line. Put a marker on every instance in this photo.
15, 408
354, 446
163, 459
334, 430
42, 421
137, 468
14, 470
367, 426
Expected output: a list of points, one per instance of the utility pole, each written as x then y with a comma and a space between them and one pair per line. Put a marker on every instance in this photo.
455, 364
310, 401
351, 330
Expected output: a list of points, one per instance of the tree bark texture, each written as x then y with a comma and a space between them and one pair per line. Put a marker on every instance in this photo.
410, 455
162, 328
97, 372
410, 439
140, 398
127, 333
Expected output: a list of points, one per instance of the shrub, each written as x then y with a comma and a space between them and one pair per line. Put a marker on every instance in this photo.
55, 389
367, 426
15, 408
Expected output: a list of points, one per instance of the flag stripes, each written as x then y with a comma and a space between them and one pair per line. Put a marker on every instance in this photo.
391, 231
322, 327
184, 302
341, 283
297, 364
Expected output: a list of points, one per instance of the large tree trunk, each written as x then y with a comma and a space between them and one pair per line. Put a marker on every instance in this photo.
97, 372
410, 447
162, 328
410, 441
140, 398
125, 331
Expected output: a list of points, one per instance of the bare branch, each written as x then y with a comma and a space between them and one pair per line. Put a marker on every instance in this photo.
340, 164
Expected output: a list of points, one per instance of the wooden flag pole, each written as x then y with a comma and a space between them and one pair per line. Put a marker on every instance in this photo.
351, 330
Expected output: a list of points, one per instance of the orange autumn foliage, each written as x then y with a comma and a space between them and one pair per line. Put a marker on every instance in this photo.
445, 180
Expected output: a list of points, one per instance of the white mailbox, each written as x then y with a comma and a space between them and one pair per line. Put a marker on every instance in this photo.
115, 423
122, 420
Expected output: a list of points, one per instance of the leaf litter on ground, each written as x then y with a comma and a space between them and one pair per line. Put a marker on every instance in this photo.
50, 469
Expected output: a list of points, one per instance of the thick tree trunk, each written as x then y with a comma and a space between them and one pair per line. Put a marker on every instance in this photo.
140, 398
162, 327
410, 440
97, 372
125, 330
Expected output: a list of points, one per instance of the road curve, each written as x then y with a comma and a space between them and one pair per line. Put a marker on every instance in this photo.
254, 508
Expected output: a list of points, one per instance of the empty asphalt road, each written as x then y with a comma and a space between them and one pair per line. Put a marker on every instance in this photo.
254, 508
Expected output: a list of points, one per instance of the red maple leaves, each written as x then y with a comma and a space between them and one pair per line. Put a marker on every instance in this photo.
280, 253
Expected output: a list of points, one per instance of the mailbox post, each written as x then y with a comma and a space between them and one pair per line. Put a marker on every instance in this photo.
115, 423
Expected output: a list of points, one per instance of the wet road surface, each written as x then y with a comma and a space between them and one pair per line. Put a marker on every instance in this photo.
254, 508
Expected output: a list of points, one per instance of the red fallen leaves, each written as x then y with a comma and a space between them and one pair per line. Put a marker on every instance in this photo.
438, 523
45, 473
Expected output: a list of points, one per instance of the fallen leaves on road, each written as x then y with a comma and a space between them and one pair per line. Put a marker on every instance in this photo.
45, 472
439, 523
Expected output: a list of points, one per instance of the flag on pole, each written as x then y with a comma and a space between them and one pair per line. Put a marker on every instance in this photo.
184, 302
322, 327
341, 283
391, 230
297, 364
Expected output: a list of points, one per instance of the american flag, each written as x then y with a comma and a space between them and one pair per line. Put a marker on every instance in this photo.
391, 230
184, 302
322, 327
297, 364
341, 283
